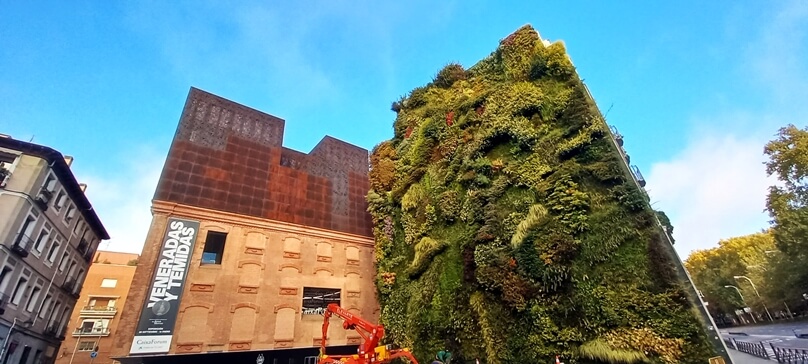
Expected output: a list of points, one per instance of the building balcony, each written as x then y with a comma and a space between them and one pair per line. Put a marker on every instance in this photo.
98, 311
22, 245
91, 332
638, 176
617, 136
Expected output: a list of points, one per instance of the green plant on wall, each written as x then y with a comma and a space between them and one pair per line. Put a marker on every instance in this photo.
507, 230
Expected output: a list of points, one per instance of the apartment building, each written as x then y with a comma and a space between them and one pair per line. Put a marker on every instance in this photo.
48, 235
249, 242
93, 325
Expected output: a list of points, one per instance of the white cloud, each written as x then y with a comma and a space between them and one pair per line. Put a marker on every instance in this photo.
714, 189
122, 198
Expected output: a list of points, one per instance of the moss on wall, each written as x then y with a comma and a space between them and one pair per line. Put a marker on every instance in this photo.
507, 230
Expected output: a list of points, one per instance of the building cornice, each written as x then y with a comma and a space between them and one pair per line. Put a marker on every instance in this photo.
172, 209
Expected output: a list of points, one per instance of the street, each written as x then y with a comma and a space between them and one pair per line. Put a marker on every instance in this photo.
777, 329
780, 335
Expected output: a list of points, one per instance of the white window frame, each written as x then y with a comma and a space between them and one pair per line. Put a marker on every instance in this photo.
70, 214
59, 200
65, 260
54, 251
82, 347
46, 305
19, 292
114, 283
32, 213
47, 230
53, 184
54, 313
6, 278
36, 291
80, 226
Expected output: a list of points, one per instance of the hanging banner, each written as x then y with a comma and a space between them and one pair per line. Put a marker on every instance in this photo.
159, 314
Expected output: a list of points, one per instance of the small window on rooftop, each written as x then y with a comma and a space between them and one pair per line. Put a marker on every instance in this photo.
214, 247
109, 283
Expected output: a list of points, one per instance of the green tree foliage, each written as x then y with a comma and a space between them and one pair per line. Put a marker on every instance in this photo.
507, 229
714, 269
787, 204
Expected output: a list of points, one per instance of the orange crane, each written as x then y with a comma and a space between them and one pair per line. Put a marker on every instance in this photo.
369, 351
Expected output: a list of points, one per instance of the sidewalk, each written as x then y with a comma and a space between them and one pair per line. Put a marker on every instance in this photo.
743, 358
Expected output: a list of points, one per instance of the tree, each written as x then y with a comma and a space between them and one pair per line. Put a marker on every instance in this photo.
787, 204
714, 269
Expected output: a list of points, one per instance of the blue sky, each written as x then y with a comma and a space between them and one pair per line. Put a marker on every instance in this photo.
696, 87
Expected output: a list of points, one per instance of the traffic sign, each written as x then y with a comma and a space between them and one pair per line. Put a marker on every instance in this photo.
93, 354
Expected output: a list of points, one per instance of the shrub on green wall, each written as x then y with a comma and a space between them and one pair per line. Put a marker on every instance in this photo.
507, 230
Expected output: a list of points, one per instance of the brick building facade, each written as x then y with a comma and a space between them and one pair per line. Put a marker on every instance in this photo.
274, 235
95, 320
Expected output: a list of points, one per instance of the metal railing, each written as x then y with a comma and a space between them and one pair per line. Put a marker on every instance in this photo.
99, 308
22, 244
756, 349
91, 332
790, 355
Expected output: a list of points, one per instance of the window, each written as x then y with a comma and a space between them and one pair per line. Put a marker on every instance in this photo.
32, 300
79, 279
60, 201
63, 262
72, 268
86, 345
5, 277
102, 302
50, 183
46, 306
71, 212
315, 300
19, 291
54, 249
26, 230
42, 240
214, 248
94, 326
55, 312
79, 226
109, 283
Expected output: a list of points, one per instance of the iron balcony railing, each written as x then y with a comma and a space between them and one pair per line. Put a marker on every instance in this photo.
22, 245
100, 331
99, 311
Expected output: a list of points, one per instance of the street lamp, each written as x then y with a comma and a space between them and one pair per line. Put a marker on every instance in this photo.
758, 295
742, 300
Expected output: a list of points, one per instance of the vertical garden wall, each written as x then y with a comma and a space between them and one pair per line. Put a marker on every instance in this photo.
507, 228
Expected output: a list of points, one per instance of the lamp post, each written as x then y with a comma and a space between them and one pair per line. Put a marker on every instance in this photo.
742, 300
758, 295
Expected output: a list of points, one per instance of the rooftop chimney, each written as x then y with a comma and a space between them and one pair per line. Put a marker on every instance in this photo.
68, 160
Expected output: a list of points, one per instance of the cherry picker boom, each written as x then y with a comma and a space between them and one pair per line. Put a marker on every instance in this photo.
369, 350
